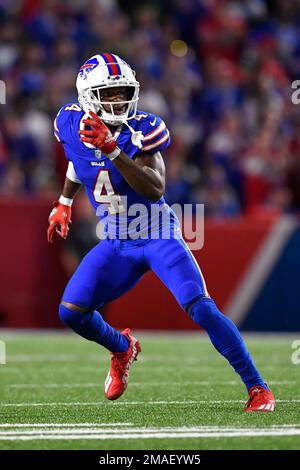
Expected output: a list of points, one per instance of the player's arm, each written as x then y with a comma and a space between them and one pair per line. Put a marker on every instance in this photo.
146, 174
70, 189
60, 216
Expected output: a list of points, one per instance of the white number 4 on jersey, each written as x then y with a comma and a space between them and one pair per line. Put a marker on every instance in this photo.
104, 193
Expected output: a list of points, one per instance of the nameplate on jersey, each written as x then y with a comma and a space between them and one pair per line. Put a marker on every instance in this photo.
102, 163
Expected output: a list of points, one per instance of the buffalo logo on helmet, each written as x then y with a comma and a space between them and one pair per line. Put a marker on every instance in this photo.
88, 66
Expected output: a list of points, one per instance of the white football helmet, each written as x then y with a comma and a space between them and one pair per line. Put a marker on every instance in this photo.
106, 71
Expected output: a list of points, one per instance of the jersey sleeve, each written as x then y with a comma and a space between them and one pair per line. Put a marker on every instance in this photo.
59, 125
156, 135
63, 123
64, 128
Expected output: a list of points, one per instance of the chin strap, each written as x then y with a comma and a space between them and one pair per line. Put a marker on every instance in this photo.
137, 136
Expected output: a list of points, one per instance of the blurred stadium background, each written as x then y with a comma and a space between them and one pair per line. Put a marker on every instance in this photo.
220, 73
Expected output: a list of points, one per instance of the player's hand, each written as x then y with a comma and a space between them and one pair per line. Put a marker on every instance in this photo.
59, 221
100, 136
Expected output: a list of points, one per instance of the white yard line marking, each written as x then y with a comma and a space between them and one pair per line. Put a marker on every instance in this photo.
142, 433
55, 385
68, 431
143, 384
99, 359
144, 428
15, 358
93, 429
60, 425
121, 403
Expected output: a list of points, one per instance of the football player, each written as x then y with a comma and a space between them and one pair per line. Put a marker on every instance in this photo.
114, 151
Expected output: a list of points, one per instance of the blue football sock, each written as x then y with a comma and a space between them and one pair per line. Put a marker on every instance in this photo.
91, 326
226, 338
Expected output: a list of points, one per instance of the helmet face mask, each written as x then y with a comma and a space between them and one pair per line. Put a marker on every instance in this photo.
103, 72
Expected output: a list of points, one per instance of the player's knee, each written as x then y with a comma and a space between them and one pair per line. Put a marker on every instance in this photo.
203, 311
69, 315
188, 290
73, 306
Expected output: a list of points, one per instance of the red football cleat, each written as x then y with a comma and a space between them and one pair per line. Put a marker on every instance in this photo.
118, 375
260, 400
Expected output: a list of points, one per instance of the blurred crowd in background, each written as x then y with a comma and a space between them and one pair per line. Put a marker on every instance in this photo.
219, 72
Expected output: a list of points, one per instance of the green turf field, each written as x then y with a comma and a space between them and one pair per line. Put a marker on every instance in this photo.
181, 395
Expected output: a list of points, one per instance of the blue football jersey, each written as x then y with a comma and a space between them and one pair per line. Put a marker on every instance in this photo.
113, 199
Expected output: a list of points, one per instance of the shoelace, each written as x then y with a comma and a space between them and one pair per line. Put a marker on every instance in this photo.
254, 393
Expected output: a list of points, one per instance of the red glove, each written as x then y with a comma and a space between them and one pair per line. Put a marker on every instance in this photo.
100, 136
60, 216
